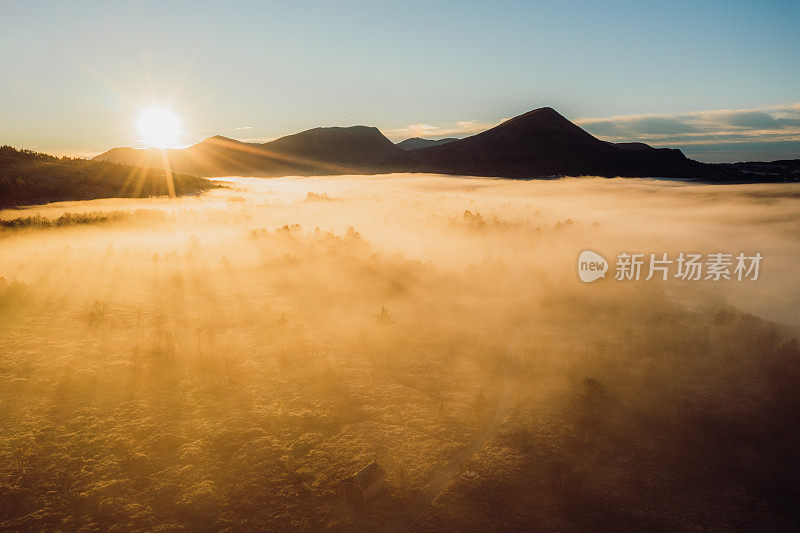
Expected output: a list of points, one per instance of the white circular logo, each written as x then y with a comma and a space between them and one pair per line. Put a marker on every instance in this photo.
591, 266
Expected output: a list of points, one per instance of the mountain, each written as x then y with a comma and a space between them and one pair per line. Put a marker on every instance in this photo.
544, 143
540, 143
415, 143
355, 149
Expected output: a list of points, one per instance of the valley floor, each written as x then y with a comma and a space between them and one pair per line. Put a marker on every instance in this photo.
221, 362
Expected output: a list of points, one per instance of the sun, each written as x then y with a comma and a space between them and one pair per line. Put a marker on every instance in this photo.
159, 127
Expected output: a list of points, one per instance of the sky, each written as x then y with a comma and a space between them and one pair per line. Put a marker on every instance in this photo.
719, 80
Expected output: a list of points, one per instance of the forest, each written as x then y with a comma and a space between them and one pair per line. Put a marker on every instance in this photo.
28, 178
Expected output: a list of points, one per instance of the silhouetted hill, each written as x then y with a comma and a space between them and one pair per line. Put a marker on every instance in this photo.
783, 170
355, 149
632, 146
544, 143
415, 143
356, 143
28, 178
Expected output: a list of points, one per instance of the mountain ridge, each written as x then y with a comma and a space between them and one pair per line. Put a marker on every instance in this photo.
542, 142
337, 150
414, 143
539, 143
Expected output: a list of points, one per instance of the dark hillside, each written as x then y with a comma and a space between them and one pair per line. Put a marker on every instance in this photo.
28, 178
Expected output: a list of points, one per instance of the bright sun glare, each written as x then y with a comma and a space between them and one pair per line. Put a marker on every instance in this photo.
159, 127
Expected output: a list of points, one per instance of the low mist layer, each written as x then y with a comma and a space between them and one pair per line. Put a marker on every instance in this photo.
223, 361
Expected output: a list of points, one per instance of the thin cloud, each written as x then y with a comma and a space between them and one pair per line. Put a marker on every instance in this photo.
244, 128
256, 139
455, 129
767, 124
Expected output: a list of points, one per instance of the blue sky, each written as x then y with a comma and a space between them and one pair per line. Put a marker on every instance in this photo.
707, 77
